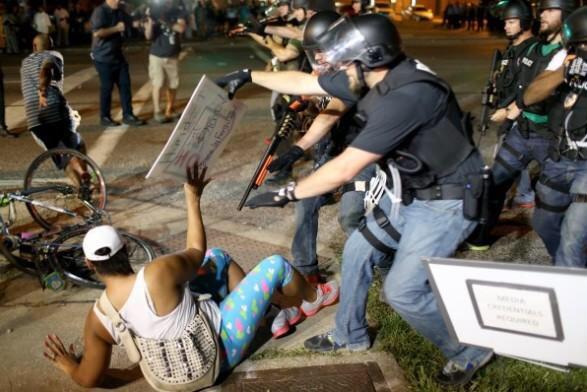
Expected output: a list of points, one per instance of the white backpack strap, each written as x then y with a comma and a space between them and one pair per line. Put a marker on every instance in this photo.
125, 336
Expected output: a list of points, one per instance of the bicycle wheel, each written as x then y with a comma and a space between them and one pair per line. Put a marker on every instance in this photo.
46, 173
8, 248
67, 256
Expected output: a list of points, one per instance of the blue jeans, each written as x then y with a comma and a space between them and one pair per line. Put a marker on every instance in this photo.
111, 74
564, 232
428, 228
524, 191
535, 147
351, 210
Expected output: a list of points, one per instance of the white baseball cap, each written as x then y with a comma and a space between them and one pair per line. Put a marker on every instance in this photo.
101, 237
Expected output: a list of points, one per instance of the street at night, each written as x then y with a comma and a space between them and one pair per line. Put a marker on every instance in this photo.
155, 209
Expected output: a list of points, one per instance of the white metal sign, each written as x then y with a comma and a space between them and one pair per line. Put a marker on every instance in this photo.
519, 310
200, 134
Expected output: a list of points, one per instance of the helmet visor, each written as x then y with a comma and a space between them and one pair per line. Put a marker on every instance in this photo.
317, 60
342, 43
272, 11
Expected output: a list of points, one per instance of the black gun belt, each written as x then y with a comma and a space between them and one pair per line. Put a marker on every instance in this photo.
439, 192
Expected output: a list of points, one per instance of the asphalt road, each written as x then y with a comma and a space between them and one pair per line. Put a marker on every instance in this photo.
154, 209
461, 58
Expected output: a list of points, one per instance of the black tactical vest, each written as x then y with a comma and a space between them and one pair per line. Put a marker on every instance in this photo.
442, 146
570, 121
508, 72
532, 64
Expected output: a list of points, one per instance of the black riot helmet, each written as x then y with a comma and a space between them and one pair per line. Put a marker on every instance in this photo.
514, 9
316, 26
566, 6
371, 39
321, 5
574, 29
296, 4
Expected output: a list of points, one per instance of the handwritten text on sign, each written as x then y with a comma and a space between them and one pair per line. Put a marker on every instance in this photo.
201, 133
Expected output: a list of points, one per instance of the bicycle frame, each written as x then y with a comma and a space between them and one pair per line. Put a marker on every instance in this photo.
23, 197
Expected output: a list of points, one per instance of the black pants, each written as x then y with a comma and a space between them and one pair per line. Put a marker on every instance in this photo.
114, 74
56, 135
2, 107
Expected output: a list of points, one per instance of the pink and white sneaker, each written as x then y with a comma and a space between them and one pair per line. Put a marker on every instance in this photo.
326, 293
285, 319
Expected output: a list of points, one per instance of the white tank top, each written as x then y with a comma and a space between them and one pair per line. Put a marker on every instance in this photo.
139, 314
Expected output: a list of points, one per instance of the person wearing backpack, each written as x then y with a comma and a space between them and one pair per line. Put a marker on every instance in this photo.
155, 308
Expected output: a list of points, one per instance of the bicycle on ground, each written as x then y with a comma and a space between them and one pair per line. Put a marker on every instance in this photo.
56, 255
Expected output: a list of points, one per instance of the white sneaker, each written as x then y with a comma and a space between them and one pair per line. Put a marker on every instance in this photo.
285, 319
327, 294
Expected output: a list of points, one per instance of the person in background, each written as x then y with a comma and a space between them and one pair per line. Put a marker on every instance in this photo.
109, 24
163, 28
11, 30
41, 21
3, 127
49, 117
62, 21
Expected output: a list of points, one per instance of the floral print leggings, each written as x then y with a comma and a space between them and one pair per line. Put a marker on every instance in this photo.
242, 309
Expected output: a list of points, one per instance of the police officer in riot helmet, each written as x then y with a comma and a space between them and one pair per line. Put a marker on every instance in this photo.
412, 127
563, 184
552, 14
530, 137
311, 7
315, 27
329, 133
518, 24
517, 17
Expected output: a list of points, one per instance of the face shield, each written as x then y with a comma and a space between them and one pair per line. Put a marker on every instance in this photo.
342, 44
317, 59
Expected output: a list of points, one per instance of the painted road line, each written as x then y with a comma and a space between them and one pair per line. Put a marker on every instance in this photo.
15, 114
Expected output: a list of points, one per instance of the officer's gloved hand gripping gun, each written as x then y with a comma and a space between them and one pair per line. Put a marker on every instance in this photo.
489, 96
287, 125
233, 82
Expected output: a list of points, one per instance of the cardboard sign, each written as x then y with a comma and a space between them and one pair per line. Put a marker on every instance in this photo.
526, 311
200, 134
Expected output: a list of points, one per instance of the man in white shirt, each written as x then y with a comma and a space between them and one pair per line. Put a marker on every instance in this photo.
41, 21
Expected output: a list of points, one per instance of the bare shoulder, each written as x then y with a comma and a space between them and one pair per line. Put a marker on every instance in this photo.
94, 327
165, 269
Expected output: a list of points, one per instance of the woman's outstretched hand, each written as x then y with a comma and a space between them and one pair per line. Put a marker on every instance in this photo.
61, 357
196, 179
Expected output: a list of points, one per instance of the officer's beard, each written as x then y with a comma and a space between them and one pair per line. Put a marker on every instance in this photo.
355, 86
550, 31
357, 83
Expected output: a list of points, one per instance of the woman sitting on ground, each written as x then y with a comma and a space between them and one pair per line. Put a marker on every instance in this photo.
156, 302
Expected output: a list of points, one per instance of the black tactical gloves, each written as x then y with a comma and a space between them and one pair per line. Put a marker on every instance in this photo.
254, 26
274, 199
234, 81
286, 160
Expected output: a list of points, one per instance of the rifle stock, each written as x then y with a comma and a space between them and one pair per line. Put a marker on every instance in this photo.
282, 131
488, 95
